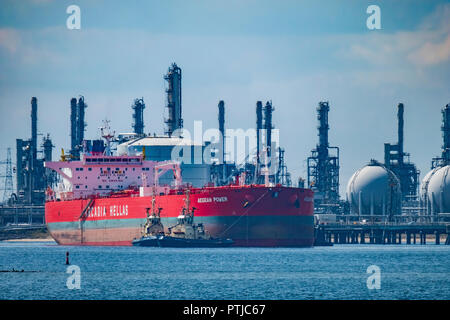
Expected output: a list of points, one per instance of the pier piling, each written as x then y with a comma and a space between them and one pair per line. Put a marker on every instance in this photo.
381, 233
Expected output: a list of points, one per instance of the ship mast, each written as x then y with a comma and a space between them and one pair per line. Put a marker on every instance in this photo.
155, 213
189, 214
107, 135
154, 220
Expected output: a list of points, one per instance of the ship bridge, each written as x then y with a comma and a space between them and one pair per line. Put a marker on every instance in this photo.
102, 175
163, 148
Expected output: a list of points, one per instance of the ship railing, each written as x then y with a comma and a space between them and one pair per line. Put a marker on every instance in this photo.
69, 195
206, 188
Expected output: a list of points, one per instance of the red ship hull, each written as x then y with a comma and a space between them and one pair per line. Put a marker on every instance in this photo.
250, 215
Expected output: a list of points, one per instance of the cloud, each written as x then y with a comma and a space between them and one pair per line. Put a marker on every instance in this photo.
27, 48
363, 76
428, 45
436, 49
432, 53
439, 20
9, 40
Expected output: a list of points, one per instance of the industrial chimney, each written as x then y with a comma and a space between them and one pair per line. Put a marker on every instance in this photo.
138, 116
77, 125
446, 134
221, 107
48, 148
73, 126
268, 109
259, 126
81, 124
400, 132
174, 120
322, 116
34, 129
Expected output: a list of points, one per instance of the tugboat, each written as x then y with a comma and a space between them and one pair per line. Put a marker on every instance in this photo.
184, 234
153, 228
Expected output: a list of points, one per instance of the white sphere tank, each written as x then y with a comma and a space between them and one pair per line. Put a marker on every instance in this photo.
374, 190
435, 190
424, 185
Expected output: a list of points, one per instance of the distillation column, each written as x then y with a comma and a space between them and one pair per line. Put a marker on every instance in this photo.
138, 116
174, 120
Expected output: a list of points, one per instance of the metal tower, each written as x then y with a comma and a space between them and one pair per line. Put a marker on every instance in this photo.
73, 127
323, 164
48, 146
221, 172
80, 116
31, 179
221, 119
283, 177
259, 126
446, 133
445, 157
77, 126
34, 128
8, 189
174, 120
138, 116
268, 110
265, 158
396, 160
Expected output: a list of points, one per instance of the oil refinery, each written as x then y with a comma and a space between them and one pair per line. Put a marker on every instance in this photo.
387, 191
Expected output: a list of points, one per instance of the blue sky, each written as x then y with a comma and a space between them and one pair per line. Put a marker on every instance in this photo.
295, 53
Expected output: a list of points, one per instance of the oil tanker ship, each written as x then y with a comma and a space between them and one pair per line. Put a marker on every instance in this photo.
91, 214
102, 199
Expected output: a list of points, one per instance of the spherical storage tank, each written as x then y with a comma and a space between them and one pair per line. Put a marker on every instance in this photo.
435, 190
374, 190
424, 185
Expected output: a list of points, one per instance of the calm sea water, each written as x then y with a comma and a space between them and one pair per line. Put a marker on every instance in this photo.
339, 272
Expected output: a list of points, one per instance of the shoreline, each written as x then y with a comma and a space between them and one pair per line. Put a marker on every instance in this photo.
25, 234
